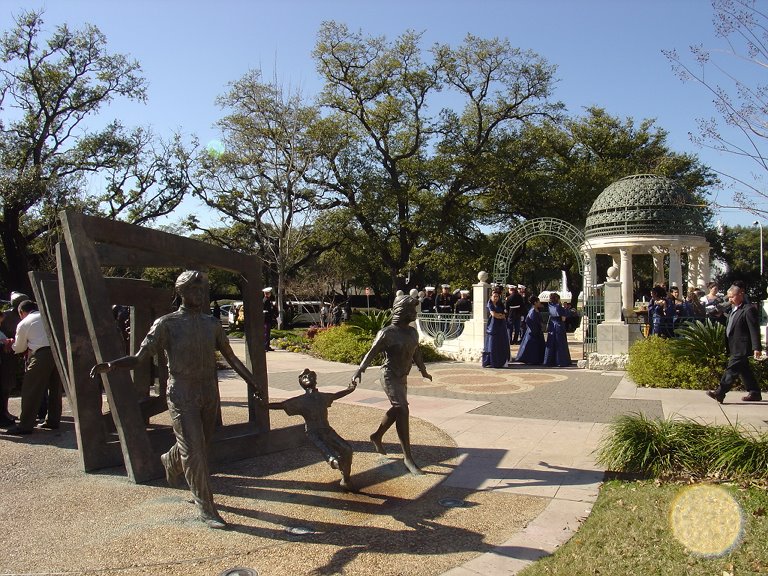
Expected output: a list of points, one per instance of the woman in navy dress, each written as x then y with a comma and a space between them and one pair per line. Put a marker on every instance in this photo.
531, 349
556, 351
496, 351
662, 310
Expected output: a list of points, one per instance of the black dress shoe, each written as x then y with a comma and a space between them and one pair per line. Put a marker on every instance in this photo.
715, 395
16, 431
6, 422
752, 397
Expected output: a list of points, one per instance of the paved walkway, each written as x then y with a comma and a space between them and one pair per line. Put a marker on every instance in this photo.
520, 430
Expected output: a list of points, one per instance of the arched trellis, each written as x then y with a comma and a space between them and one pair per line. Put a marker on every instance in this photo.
560, 229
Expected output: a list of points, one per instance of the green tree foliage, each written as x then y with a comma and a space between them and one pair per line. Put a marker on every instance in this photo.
49, 88
740, 251
260, 181
558, 169
410, 178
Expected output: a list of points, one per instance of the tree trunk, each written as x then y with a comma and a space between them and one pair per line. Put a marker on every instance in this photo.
16, 276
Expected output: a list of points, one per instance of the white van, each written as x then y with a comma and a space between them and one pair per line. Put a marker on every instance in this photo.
303, 312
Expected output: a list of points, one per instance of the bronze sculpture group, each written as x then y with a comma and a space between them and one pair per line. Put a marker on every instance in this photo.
189, 338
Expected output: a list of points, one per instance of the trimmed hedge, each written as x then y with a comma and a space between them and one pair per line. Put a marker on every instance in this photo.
653, 364
348, 344
341, 344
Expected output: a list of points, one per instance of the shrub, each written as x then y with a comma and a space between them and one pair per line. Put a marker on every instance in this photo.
430, 354
291, 341
683, 447
341, 344
761, 373
702, 344
653, 364
370, 322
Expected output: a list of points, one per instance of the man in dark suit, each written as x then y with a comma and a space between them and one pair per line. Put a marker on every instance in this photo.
743, 336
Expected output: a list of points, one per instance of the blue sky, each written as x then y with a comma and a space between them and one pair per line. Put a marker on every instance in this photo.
608, 52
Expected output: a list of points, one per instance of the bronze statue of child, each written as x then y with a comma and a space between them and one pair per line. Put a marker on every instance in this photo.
313, 407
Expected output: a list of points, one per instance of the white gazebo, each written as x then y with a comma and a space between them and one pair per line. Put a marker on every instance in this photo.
646, 214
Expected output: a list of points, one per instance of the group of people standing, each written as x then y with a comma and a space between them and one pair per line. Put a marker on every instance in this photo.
505, 327
667, 309
25, 340
446, 302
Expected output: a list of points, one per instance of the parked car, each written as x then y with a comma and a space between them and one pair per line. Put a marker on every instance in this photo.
302, 312
225, 313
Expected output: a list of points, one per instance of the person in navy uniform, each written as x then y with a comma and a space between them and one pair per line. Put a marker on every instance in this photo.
270, 317
444, 302
513, 305
742, 333
526, 306
556, 351
428, 302
496, 350
464, 304
531, 349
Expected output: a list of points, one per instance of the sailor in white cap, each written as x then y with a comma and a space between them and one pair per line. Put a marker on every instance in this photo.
463, 305
514, 304
444, 302
428, 302
270, 317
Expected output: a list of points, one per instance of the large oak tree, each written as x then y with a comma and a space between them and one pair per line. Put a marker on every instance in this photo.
408, 175
50, 87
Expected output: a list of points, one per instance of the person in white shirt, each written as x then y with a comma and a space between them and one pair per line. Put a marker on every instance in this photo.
41, 375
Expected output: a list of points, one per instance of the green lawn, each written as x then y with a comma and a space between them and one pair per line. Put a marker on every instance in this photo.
630, 532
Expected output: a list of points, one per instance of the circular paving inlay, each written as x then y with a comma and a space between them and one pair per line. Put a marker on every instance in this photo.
486, 381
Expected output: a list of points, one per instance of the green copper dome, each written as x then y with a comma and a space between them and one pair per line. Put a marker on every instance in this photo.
642, 205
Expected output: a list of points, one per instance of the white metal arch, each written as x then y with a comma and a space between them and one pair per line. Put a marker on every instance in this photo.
560, 229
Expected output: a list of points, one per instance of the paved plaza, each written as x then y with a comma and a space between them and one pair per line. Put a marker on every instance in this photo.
513, 447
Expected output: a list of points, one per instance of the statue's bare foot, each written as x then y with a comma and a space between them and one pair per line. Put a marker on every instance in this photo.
377, 444
412, 468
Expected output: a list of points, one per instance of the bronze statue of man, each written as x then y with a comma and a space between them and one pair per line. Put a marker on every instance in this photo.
189, 337
399, 342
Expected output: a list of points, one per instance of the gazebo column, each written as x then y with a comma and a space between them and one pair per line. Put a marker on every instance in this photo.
627, 283
704, 273
675, 269
658, 268
693, 268
590, 270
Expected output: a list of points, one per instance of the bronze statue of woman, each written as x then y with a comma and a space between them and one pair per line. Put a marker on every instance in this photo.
399, 342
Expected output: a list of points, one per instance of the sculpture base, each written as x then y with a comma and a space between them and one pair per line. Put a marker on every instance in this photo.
605, 362
617, 337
